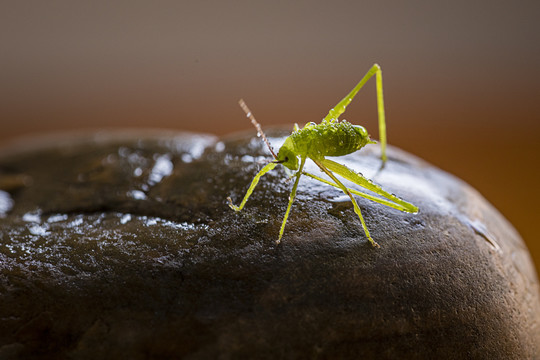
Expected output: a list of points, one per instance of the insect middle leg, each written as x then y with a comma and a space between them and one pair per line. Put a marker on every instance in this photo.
355, 205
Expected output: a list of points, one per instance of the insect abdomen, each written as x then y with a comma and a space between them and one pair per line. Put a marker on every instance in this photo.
329, 139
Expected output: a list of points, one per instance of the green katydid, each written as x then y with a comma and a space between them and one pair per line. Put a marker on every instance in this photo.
331, 138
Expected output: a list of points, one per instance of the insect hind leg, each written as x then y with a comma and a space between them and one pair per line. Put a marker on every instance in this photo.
339, 109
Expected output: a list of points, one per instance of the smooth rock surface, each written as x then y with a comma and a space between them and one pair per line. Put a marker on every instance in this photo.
118, 245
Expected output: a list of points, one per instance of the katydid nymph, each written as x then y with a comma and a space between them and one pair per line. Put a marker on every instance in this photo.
331, 137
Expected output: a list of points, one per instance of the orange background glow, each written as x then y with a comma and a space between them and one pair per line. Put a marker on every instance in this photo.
461, 79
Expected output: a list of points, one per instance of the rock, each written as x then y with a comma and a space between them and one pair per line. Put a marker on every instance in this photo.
118, 245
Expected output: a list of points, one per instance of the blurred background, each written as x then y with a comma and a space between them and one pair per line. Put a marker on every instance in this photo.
461, 78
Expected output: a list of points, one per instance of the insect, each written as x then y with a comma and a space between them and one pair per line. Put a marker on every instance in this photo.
330, 138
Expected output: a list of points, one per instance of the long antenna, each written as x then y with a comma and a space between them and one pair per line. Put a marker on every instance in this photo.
260, 132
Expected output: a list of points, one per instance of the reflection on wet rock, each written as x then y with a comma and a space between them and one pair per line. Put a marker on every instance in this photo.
122, 245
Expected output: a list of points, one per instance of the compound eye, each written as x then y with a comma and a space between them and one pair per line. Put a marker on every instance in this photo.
281, 161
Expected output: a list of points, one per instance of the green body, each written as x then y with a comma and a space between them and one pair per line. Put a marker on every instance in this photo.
315, 141
331, 138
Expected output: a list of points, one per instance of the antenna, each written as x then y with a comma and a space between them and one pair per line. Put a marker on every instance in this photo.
260, 132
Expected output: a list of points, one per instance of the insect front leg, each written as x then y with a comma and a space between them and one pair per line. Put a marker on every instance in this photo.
355, 205
291, 199
254, 183
339, 109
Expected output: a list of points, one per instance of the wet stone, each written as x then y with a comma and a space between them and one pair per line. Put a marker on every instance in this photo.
118, 245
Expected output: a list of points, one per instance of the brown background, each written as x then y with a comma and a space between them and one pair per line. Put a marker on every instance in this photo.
461, 80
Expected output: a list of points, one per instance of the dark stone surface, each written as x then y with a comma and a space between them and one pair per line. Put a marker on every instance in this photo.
122, 246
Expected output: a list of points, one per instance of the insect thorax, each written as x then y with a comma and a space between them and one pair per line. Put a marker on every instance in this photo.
329, 139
